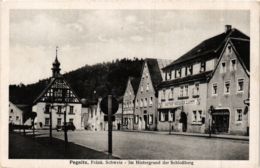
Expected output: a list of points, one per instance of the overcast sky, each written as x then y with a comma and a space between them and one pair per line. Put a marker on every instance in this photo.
93, 36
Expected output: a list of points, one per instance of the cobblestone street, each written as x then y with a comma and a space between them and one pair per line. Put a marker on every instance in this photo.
135, 145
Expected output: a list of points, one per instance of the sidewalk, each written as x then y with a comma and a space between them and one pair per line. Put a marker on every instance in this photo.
27, 147
233, 137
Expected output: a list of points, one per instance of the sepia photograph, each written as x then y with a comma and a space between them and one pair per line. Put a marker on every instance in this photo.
129, 86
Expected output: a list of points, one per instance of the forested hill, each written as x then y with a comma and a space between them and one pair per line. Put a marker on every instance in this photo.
88, 82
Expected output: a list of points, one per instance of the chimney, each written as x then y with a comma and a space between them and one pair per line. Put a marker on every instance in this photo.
228, 28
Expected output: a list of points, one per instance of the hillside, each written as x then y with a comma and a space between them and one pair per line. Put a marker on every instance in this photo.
88, 82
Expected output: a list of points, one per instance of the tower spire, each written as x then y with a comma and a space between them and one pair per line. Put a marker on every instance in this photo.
56, 65
56, 52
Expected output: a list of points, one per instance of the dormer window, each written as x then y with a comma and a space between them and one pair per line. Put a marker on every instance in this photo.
178, 73
203, 66
188, 70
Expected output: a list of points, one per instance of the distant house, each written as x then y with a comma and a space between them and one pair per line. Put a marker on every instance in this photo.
95, 117
129, 102
182, 101
117, 124
57, 98
145, 113
15, 114
228, 89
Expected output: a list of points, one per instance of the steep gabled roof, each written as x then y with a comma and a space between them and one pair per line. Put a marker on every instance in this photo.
154, 70
209, 47
49, 86
242, 50
242, 47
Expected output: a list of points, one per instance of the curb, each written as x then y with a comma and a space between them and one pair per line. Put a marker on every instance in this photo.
246, 138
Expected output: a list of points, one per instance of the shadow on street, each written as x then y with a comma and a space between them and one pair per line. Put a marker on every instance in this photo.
29, 147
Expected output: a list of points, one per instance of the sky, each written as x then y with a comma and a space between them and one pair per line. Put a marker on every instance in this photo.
87, 37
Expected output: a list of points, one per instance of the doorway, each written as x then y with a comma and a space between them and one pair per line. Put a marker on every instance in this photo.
145, 122
220, 121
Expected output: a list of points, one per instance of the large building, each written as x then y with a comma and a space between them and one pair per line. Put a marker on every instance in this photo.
145, 113
182, 102
129, 102
57, 98
228, 89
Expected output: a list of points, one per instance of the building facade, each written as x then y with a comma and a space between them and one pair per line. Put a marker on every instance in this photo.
228, 89
145, 113
182, 102
56, 99
95, 117
128, 103
15, 114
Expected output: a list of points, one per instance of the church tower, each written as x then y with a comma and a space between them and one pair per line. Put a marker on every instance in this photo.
56, 99
56, 66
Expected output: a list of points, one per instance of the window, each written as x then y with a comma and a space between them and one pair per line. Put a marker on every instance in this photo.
214, 89
188, 70
163, 95
227, 87
150, 119
194, 117
136, 119
171, 116
196, 89
151, 101
17, 117
239, 115
71, 120
186, 91
59, 121
47, 121
142, 88
125, 121
171, 94
141, 103
59, 109
223, 67
71, 110
163, 116
170, 74
178, 73
197, 117
12, 110
145, 102
203, 66
147, 87
240, 85
47, 108
233, 65
181, 91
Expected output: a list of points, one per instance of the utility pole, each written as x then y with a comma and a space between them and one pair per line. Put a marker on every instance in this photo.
110, 124
50, 112
65, 125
